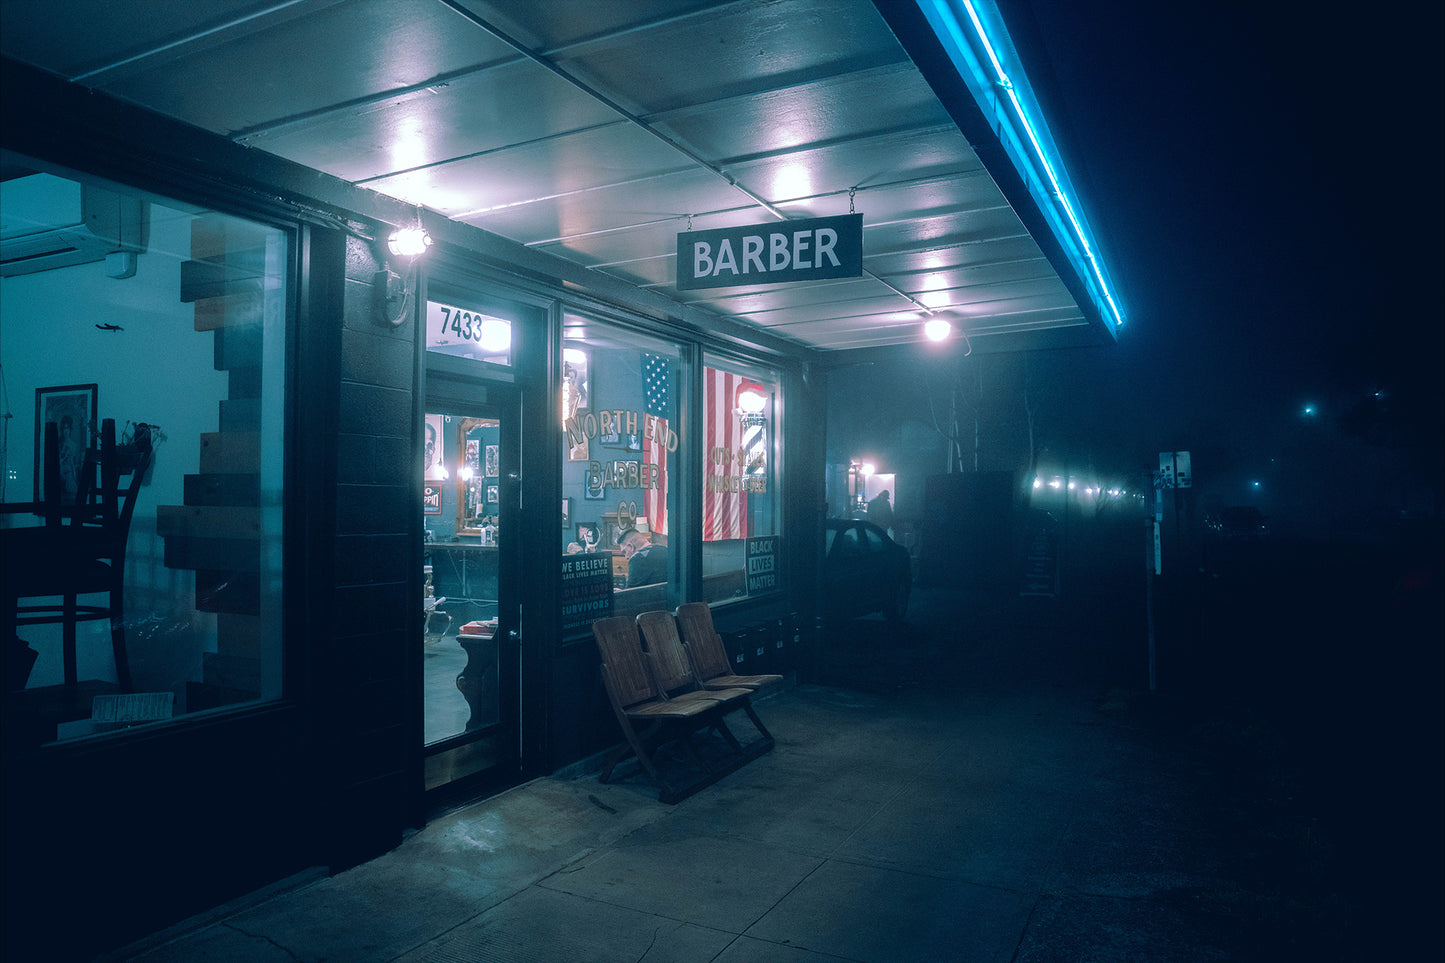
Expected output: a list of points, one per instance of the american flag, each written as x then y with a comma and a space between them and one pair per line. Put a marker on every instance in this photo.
655, 381
724, 513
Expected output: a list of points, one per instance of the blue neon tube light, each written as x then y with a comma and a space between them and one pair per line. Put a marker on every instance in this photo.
1000, 80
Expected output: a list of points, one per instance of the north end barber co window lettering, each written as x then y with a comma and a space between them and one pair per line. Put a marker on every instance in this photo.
622, 451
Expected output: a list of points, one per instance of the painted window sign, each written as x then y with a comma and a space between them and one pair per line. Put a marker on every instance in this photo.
762, 559
803, 250
586, 588
649, 474
737, 446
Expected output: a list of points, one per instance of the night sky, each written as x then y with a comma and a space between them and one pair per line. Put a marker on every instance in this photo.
1266, 191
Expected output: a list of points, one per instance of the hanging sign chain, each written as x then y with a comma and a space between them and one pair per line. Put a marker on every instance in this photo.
851, 192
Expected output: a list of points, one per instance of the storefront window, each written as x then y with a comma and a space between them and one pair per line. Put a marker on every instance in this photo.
740, 532
169, 322
621, 452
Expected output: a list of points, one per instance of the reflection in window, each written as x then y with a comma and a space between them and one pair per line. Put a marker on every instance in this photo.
176, 317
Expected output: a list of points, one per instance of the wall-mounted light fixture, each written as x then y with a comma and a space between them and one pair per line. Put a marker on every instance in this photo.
936, 329
408, 241
392, 291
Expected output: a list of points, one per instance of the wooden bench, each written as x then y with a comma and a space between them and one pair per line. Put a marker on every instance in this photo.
674, 673
655, 710
708, 654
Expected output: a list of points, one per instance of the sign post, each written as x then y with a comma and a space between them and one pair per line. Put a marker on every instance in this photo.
1151, 570
1175, 472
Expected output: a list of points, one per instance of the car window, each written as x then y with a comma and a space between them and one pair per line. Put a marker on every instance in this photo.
828, 535
874, 541
846, 544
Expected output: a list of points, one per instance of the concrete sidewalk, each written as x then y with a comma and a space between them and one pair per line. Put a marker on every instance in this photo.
981, 828
993, 797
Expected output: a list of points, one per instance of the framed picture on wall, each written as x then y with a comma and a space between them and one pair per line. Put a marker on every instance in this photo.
589, 536
432, 467
492, 495
492, 462
433, 472
595, 490
611, 527
72, 409
566, 512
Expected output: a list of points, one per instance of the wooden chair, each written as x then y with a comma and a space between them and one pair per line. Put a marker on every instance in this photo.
637, 701
708, 654
80, 551
674, 674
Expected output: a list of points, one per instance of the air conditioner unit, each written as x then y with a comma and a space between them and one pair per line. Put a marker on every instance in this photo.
49, 222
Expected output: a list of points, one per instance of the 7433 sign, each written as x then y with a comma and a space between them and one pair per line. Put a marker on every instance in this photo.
460, 331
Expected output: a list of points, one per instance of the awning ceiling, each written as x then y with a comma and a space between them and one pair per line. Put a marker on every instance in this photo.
597, 132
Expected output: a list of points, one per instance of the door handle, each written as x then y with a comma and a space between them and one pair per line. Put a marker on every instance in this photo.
511, 637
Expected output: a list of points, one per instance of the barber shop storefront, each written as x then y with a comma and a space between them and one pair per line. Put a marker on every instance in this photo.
365, 507
355, 358
625, 469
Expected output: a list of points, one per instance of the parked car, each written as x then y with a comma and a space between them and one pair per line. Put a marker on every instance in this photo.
864, 571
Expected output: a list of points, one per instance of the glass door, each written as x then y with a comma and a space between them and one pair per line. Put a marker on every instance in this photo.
471, 639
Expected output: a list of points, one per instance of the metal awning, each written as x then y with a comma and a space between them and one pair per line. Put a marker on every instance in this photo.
597, 132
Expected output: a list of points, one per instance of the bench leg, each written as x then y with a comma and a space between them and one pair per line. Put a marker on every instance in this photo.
762, 729
722, 729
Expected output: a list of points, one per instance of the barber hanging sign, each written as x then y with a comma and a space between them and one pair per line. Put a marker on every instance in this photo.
806, 250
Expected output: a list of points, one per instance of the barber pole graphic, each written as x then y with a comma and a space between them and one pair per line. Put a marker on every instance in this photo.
755, 444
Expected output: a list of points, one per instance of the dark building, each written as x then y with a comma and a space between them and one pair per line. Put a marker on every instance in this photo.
383, 490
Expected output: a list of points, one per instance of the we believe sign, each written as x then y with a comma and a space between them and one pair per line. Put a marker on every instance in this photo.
806, 250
